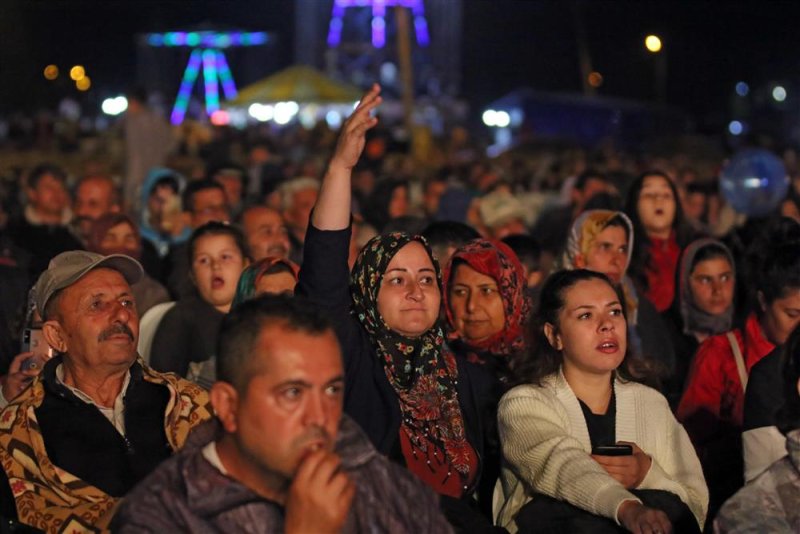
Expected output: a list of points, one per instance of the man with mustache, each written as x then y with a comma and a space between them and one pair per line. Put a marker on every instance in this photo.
96, 420
280, 456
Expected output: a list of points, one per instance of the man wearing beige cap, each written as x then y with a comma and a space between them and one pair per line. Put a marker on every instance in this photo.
96, 420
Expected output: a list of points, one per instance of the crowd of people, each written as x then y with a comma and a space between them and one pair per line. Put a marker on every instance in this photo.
277, 345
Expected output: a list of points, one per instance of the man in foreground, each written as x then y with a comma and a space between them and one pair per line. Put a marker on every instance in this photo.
95, 421
280, 457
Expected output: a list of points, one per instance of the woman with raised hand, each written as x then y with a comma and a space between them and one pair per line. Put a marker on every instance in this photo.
416, 402
585, 447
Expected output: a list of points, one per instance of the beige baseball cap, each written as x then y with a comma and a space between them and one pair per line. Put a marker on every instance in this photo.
69, 267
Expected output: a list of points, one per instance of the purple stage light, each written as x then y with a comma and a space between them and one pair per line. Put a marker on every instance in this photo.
378, 20
189, 77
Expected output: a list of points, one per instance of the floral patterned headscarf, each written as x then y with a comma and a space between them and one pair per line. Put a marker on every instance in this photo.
496, 260
422, 374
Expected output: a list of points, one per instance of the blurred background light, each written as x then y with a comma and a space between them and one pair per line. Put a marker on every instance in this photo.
77, 72
51, 72
742, 89
653, 43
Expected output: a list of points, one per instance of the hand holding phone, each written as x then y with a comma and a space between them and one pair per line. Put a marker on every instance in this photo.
33, 341
612, 450
625, 462
18, 378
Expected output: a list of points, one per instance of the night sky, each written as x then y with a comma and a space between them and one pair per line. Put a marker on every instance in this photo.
506, 43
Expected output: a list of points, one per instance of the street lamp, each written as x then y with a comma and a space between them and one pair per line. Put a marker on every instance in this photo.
653, 43
655, 46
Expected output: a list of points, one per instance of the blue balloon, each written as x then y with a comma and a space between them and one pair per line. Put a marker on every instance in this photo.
754, 182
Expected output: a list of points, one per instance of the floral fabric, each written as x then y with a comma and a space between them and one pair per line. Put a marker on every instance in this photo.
496, 260
422, 374
50, 498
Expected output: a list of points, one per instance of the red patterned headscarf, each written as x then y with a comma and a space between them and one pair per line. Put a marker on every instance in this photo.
496, 260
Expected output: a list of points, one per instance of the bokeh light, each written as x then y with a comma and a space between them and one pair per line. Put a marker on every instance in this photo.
735, 127
653, 43
779, 93
51, 72
595, 79
114, 106
77, 72
83, 84
742, 89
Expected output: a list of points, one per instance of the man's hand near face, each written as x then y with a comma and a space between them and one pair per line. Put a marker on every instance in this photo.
320, 495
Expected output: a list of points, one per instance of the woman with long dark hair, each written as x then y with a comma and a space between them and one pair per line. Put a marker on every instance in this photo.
586, 447
661, 233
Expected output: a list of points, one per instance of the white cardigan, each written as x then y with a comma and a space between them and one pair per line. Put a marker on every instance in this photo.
546, 450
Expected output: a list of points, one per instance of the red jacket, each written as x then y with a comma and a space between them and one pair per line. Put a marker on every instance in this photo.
664, 254
714, 396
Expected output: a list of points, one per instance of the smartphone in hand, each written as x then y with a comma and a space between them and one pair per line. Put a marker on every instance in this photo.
612, 450
33, 341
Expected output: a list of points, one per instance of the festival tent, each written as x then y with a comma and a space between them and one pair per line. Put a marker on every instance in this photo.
301, 84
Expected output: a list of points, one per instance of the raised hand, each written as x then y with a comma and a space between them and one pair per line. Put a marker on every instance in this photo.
352, 136
332, 210
320, 495
627, 470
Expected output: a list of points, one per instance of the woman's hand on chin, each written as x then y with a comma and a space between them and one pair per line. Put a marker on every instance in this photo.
627, 470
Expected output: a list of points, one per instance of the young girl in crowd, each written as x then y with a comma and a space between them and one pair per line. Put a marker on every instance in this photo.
418, 404
704, 304
712, 405
186, 338
578, 394
602, 241
771, 502
268, 275
661, 233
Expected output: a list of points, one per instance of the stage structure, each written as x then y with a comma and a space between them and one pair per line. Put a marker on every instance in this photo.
356, 42
207, 54
378, 22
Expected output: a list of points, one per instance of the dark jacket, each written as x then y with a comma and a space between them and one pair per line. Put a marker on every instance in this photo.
369, 397
43, 242
188, 494
187, 333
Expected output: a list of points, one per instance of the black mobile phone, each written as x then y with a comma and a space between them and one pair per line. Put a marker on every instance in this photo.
612, 450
